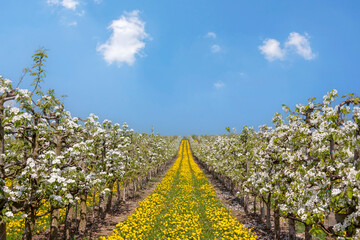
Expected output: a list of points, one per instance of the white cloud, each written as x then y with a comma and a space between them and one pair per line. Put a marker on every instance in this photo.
69, 4
211, 35
126, 40
272, 50
98, 1
295, 43
215, 48
301, 44
219, 85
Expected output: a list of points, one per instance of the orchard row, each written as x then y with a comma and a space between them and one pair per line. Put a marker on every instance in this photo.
305, 167
51, 162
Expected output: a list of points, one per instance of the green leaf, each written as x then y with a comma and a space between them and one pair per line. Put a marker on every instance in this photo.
358, 176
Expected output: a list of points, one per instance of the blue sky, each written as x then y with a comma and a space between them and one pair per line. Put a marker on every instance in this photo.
186, 67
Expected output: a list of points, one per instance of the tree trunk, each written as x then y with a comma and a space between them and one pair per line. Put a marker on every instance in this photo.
139, 183
307, 232
76, 211
118, 192
130, 189
82, 223
247, 174
2, 230
254, 204
268, 210
242, 200
68, 222
124, 191
54, 226
55, 213
29, 225
246, 202
276, 220
102, 212
94, 208
262, 210
28, 230
109, 200
332, 149
357, 157
2, 167
292, 230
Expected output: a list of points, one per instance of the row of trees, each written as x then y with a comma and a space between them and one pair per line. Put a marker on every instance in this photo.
48, 156
305, 167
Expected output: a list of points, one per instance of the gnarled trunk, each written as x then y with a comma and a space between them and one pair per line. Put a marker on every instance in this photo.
292, 230
2, 168
307, 232
276, 220
109, 199
332, 149
82, 223
246, 203
68, 222
268, 212
357, 158
135, 185
254, 204
262, 210
118, 192
55, 213
2, 230
102, 212
54, 226
29, 224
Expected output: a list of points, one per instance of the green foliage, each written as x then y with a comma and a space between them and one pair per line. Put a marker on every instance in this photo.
228, 129
37, 69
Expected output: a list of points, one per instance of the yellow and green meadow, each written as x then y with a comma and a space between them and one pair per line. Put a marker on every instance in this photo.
183, 206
